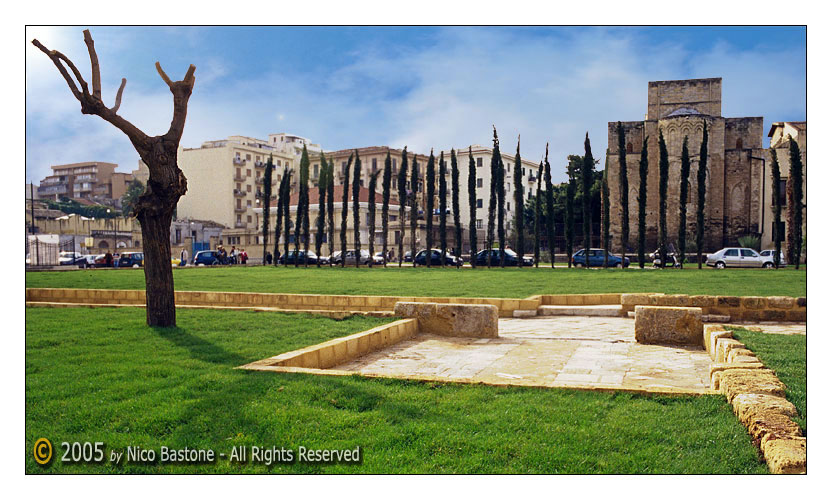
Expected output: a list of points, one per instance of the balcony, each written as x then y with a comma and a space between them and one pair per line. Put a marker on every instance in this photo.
239, 161
259, 164
240, 225
239, 178
239, 210
239, 193
260, 180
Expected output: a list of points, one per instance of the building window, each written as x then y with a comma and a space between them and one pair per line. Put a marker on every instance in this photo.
257, 158
782, 193
479, 182
479, 223
479, 162
375, 164
248, 218
248, 203
479, 202
508, 207
248, 157
248, 188
629, 147
315, 170
394, 165
238, 173
248, 172
739, 143
178, 236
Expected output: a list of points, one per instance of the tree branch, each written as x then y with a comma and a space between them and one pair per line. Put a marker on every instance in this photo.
118, 95
96, 71
164, 75
51, 54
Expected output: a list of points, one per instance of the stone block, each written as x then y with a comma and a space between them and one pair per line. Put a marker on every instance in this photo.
750, 381
723, 347
781, 302
771, 424
753, 302
524, 313
723, 301
456, 320
734, 353
702, 301
748, 407
635, 299
668, 325
785, 455
674, 300
798, 315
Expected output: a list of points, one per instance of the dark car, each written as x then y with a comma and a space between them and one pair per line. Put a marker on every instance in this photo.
511, 258
408, 257
131, 259
207, 258
289, 258
349, 258
435, 258
596, 259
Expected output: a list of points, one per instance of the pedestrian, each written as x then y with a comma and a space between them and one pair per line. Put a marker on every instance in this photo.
268, 258
233, 254
183, 258
243, 256
108, 259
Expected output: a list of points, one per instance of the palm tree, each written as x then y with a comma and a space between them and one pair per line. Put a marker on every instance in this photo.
430, 188
402, 187
344, 207
472, 207
385, 204
443, 208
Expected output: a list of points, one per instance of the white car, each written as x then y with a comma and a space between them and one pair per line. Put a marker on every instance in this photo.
738, 257
770, 254
68, 258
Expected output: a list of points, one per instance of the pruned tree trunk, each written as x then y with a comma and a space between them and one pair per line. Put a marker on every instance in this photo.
166, 184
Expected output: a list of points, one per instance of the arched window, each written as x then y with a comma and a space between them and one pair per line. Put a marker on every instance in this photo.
739, 143
103, 244
629, 147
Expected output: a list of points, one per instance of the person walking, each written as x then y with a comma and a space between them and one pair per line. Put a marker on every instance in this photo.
233, 254
268, 258
243, 256
183, 258
108, 259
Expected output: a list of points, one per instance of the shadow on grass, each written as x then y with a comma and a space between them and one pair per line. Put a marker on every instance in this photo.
199, 348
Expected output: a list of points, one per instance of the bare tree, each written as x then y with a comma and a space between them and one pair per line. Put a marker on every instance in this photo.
166, 184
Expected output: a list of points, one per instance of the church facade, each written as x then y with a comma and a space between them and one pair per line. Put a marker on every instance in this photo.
736, 167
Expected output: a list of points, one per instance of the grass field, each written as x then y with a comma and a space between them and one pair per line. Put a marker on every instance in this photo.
103, 375
509, 283
786, 355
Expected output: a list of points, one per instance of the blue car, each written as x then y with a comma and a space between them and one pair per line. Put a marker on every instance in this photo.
596, 259
207, 258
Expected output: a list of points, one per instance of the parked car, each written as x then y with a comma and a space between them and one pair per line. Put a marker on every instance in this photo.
311, 258
323, 259
68, 258
207, 258
101, 260
435, 258
378, 259
349, 258
511, 258
131, 259
408, 257
86, 261
738, 257
770, 253
596, 259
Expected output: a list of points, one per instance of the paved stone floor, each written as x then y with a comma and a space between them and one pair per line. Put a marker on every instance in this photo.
564, 351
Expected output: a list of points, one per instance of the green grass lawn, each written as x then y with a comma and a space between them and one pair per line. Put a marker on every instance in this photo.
786, 355
103, 375
509, 283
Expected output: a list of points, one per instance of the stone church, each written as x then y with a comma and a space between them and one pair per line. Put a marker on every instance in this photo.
736, 165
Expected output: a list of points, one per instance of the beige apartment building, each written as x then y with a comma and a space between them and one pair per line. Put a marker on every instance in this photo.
779, 142
94, 181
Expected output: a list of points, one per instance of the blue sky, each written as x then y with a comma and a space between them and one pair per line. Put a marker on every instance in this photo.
425, 87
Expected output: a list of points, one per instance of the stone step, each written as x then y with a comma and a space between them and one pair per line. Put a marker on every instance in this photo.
603, 310
706, 318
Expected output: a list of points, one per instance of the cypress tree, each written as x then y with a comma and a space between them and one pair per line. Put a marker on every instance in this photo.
664, 166
430, 188
642, 201
286, 219
356, 208
443, 208
701, 189
569, 213
501, 206
344, 206
330, 207
537, 201
472, 207
414, 210
372, 214
777, 207
492, 199
586, 182
550, 210
624, 192
795, 202
281, 199
519, 220
320, 222
683, 201
385, 204
605, 213
267, 199
402, 187
455, 206
302, 211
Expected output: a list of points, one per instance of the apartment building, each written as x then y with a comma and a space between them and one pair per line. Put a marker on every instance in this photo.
779, 142
93, 181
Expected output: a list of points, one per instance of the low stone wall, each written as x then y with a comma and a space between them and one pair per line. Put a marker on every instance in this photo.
337, 351
668, 325
454, 320
758, 398
584, 299
737, 308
